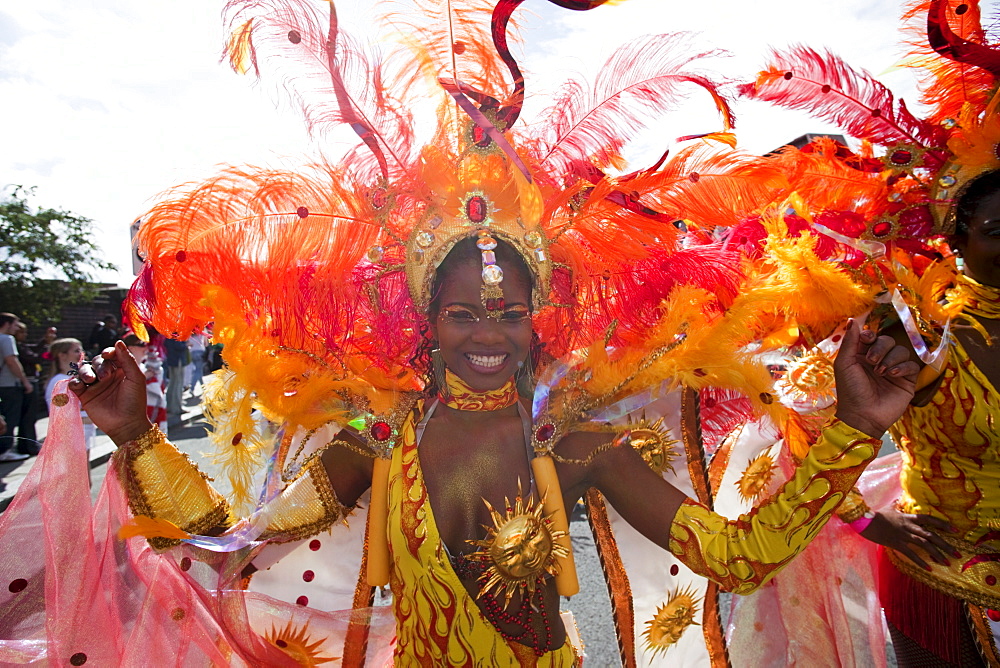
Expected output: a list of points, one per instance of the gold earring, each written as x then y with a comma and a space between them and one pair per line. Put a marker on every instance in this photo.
525, 379
440, 378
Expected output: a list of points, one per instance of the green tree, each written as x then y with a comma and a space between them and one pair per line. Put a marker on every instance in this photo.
48, 258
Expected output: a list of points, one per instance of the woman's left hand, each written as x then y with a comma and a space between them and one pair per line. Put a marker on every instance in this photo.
875, 380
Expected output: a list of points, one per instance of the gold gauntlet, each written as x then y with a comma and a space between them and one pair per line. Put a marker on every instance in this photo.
163, 483
306, 507
744, 553
853, 507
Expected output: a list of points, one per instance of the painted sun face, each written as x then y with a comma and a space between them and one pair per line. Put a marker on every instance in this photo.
756, 477
651, 440
671, 620
296, 643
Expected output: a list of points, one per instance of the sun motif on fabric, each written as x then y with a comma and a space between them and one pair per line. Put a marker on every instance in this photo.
520, 548
756, 477
671, 620
810, 378
296, 643
651, 440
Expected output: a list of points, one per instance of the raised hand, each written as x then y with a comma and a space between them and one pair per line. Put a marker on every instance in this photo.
875, 380
112, 389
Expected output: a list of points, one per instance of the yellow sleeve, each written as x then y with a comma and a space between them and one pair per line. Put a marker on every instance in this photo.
743, 554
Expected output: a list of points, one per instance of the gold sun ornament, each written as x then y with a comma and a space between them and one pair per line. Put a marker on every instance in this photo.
671, 620
810, 379
520, 549
296, 643
756, 477
651, 440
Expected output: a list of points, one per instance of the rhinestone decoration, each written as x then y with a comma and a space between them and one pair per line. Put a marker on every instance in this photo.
533, 240
425, 239
476, 209
947, 181
949, 123
375, 253
486, 243
492, 274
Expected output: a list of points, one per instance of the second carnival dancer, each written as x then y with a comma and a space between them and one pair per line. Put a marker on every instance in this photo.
930, 221
448, 344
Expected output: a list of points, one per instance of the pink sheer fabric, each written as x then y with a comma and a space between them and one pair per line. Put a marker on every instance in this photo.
823, 608
72, 593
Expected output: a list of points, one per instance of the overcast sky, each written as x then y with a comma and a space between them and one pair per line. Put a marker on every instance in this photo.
105, 103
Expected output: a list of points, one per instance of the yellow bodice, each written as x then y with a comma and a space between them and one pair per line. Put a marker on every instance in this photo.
951, 450
437, 622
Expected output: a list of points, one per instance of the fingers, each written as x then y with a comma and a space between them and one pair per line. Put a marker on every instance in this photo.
124, 359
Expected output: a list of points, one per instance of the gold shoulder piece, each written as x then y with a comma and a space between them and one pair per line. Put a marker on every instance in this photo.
163, 483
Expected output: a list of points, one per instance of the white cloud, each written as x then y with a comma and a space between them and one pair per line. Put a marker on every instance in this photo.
105, 104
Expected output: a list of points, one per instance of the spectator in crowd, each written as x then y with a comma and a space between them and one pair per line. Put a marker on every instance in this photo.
14, 386
103, 335
152, 367
31, 362
177, 359
196, 345
65, 352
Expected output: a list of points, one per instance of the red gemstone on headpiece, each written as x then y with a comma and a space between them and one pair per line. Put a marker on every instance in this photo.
881, 228
693, 177
294, 37
901, 157
491, 303
788, 76
545, 432
700, 372
458, 47
961, 9
501, 304
302, 212
876, 112
475, 209
991, 580
479, 136
994, 615
381, 431
181, 256
379, 198
237, 438
825, 88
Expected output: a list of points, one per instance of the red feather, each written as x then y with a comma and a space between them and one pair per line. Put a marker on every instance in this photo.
639, 82
828, 88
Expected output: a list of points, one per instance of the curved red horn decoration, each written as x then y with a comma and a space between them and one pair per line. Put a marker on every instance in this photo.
950, 45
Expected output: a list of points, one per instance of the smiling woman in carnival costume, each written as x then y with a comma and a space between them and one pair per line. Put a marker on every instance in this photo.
489, 295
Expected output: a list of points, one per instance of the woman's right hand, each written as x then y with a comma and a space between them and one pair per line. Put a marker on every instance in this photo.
112, 389
903, 531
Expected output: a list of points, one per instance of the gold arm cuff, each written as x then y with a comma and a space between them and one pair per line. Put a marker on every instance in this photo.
305, 507
163, 483
742, 554
853, 506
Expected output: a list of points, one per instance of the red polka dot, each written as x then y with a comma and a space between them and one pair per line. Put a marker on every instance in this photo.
674, 570
991, 580
186, 564
281, 643
302, 600
308, 576
17, 585
993, 615
314, 545
78, 659
836, 337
